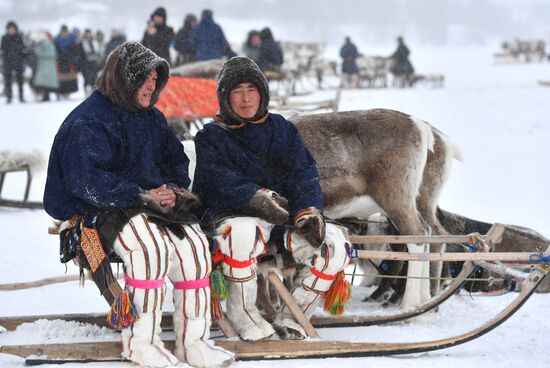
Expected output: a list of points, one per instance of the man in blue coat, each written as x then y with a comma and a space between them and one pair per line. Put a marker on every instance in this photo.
115, 156
208, 39
253, 172
350, 71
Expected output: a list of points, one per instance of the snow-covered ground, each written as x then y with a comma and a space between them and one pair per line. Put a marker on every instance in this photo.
497, 114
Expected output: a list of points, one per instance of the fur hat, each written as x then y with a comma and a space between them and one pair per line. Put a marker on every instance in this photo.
125, 72
160, 11
240, 69
11, 23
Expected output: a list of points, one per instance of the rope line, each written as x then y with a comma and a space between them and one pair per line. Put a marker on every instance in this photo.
488, 279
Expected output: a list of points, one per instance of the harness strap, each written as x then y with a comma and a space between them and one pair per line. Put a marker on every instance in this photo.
324, 276
192, 284
144, 284
232, 262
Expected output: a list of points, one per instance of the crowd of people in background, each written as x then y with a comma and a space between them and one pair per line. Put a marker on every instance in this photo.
55, 62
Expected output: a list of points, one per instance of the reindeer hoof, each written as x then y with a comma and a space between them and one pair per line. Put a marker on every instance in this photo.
379, 297
287, 329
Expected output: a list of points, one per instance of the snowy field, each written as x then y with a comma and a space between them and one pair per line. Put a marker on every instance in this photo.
497, 114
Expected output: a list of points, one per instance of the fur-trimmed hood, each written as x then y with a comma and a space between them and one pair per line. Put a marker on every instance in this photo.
125, 72
237, 70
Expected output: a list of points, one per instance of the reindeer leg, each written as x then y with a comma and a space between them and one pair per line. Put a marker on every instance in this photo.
435, 174
407, 221
399, 287
385, 290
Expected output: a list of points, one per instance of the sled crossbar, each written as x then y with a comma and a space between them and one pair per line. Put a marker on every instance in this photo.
444, 257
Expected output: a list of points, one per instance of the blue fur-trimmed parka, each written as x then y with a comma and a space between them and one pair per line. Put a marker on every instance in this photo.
228, 173
108, 149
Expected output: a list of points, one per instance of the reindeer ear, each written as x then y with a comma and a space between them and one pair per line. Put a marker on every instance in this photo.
310, 224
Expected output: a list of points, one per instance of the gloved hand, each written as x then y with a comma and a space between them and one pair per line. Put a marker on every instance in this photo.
186, 201
310, 224
270, 206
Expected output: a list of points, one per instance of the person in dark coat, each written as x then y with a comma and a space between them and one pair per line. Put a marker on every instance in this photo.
402, 68
12, 47
66, 45
350, 71
208, 38
158, 36
271, 53
183, 42
100, 46
114, 161
88, 60
117, 39
253, 172
251, 47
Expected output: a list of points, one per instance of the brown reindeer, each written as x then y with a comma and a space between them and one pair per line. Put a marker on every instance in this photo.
383, 161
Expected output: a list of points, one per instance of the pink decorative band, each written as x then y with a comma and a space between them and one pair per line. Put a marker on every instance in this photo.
144, 284
192, 284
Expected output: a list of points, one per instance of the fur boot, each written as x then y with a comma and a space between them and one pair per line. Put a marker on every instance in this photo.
192, 331
138, 245
243, 313
241, 240
190, 273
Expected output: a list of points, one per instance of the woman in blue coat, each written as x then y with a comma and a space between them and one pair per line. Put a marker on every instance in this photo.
45, 77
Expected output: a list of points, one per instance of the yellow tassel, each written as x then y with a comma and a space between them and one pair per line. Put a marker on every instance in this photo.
338, 295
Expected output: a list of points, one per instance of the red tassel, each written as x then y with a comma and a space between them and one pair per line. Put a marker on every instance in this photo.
338, 295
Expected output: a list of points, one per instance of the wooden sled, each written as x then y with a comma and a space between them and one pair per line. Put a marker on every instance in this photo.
284, 103
187, 103
282, 349
493, 235
25, 203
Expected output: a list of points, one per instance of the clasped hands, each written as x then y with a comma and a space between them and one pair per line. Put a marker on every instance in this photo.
169, 201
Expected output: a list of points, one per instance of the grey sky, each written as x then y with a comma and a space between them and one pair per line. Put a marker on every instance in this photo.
368, 21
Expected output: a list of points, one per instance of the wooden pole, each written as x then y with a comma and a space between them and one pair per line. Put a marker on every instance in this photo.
38, 283
292, 305
493, 235
445, 257
226, 327
410, 239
